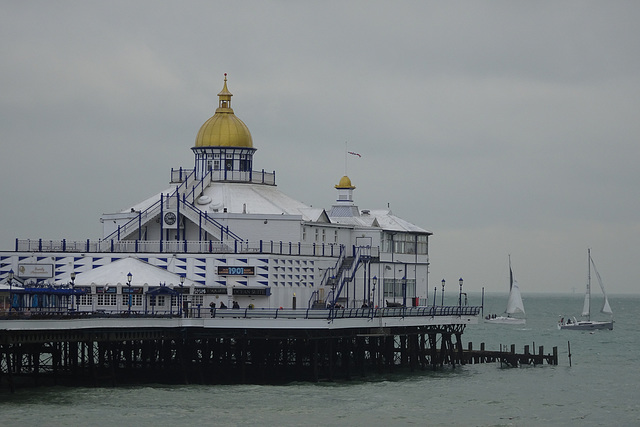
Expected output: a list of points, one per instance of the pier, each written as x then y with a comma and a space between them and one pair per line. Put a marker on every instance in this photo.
228, 346
231, 346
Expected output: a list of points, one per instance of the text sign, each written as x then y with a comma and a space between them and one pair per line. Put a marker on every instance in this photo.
217, 291
251, 291
37, 271
236, 271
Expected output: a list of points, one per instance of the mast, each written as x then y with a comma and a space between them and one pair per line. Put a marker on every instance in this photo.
586, 309
510, 274
589, 282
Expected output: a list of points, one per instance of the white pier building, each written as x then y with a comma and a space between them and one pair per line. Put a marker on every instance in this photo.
222, 234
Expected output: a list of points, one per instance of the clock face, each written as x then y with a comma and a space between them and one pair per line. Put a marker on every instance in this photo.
169, 218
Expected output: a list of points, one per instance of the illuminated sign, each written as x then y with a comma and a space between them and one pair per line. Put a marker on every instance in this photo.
236, 271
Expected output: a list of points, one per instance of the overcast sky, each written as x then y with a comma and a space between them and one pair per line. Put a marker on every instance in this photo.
503, 127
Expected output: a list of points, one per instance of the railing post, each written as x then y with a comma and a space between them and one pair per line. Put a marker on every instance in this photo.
260, 245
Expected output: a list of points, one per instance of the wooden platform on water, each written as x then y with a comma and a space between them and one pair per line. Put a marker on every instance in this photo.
508, 356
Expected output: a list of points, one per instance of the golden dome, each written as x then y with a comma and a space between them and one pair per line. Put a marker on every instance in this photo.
345, 182
224, 129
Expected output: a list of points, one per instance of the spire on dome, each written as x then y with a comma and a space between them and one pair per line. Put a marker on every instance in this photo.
224, 97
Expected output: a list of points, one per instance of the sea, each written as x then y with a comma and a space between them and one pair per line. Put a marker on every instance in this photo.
595, 383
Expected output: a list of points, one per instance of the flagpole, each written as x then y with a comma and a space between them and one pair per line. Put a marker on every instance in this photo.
346, 151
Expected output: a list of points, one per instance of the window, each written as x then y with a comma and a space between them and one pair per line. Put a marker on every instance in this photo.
387, 238
404, 243
423, 244
107, 299
335, 236
136, 300
393, 288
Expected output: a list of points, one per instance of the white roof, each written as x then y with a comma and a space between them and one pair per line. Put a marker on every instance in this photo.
243, 198
383, 219
268, 200
6, 287
115, 273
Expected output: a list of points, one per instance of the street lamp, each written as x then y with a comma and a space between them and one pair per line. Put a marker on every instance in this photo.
129, 277
404, 291
375, 281
460, 297
180, 300
10, 280
73, 287
442, 302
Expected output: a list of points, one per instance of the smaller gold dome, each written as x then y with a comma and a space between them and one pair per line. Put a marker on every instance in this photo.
345, 182
224, 129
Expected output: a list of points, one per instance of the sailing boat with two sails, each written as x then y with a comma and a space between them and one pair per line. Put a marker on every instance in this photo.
514, 305
582, 325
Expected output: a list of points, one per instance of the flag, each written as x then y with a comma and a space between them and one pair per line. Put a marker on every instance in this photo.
354, 154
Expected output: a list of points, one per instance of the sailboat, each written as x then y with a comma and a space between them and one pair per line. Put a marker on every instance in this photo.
589, 324
514, 305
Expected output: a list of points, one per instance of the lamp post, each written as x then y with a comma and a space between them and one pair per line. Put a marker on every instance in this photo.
460, 297
10, 280
73, 287
129, 277
375, 281
182, 309
442, 302
404, 291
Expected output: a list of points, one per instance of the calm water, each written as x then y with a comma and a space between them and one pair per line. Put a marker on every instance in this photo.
600, 388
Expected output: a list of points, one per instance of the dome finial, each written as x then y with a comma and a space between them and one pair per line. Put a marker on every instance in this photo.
224, 93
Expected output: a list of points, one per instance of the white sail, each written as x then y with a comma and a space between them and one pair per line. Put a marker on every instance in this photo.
515, 305
606, 308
